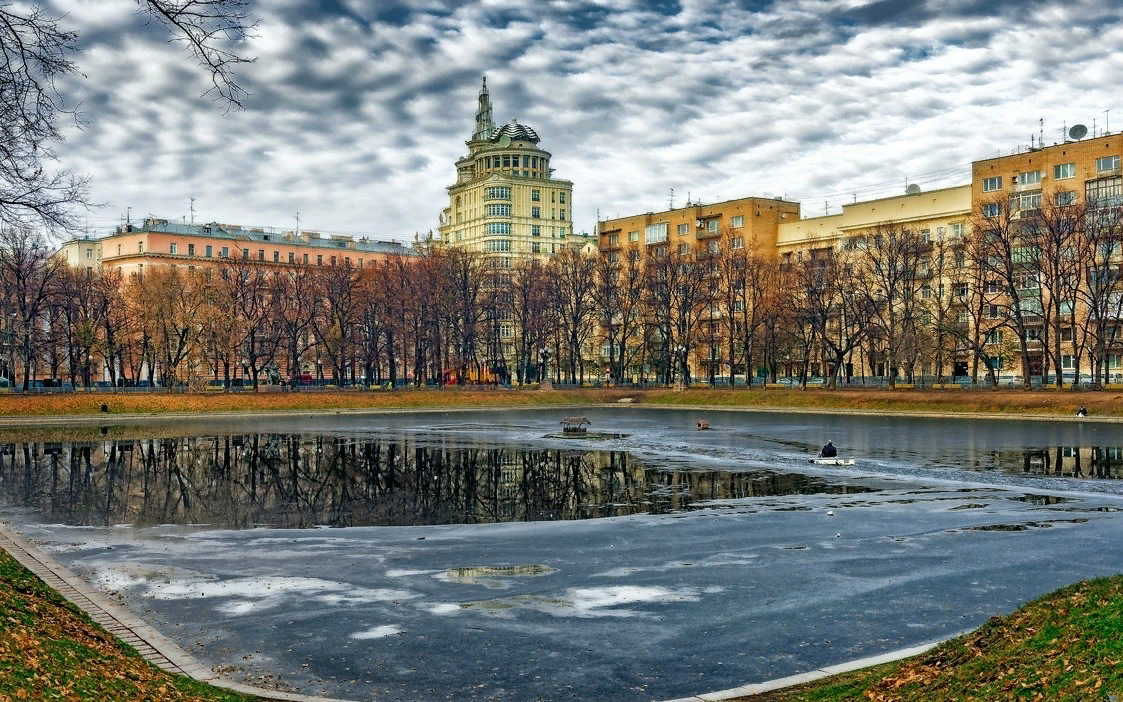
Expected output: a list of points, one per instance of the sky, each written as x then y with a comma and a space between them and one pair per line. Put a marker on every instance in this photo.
358, 109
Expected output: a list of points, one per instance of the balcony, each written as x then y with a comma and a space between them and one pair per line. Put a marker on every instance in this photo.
707, 233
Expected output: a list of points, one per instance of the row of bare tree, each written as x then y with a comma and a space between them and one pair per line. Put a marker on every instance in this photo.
1031, 292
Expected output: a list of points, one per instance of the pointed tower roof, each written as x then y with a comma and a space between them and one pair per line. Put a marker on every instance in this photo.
484, 124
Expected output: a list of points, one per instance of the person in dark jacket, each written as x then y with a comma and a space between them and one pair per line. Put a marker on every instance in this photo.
1082, 412
828, 451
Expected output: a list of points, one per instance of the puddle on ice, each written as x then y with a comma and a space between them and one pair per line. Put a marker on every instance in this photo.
473, 572
377, 632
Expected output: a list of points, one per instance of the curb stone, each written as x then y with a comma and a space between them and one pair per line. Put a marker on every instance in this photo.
153, 646
817, 674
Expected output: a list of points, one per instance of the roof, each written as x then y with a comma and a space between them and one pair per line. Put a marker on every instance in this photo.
516, 132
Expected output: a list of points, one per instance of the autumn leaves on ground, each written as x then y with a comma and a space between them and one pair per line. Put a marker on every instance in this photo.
50, 651
1017, 402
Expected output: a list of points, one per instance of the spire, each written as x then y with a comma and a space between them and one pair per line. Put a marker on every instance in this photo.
484, 125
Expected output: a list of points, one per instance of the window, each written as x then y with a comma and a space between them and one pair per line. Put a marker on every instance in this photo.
613, 239
140, 247
333, 260
992, 286
245, 254
738, 242
994, 336
1064, 170
1066, 362
209, 251
89, 253
552, 195
319, 260
305, 259
633, 255
955, 229
711, 225
292, 257
1063, 198
225, 252
992, 209
506, 161
737, 222
960, 290
561, 198
535, 195
655, 233
633, 236
498, 246
498, 227
992, 184
499, 210
535, 247
683, 229
1107, 164
536, 230
1026, 201
992, 311
172, 247
1029, 178
561, 215
498, 193
683, 249
1103, 190
536, 212
712, 247
926, 236
118, 249
191, 249
553, 213
926, 292
960, 259
261, 254
962, 317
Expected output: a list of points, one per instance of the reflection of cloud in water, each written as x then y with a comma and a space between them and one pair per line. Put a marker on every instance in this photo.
584, 602
245, 595
377, 632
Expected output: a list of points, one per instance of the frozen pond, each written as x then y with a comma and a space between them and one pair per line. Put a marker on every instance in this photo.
482, 560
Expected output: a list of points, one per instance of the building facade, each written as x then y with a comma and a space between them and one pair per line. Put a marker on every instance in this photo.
81, 252
134, 247
749, 221
506, 202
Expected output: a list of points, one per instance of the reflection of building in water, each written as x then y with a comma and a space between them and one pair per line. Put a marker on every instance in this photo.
294, 480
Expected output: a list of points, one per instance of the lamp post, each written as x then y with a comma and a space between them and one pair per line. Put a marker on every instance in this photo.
680, 357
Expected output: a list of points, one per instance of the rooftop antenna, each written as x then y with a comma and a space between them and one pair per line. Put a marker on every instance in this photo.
192, 211
298, 223
1107, 124
826, 208
1041, 132
672, 198
1093, 128
1064, 132
855, 197
1032, 142
128, 215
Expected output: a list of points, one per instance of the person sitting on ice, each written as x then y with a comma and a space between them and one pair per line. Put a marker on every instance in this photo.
828, 451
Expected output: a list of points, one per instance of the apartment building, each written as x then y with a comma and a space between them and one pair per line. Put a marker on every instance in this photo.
506, 202
134, 247
81, 252
749, 221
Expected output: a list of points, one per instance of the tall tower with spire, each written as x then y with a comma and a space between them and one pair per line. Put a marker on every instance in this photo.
506, 202
484, 124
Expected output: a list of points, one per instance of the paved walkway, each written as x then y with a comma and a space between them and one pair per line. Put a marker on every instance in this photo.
153, 646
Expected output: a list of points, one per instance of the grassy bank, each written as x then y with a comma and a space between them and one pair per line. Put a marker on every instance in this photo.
947, 401
1065, 646
51, 651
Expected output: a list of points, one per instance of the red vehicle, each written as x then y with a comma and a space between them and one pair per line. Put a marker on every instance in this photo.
301, 379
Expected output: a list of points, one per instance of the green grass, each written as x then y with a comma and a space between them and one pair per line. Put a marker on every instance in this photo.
1064, 647
49, 650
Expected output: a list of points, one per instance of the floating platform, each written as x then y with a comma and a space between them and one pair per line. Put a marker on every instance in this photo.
832, 461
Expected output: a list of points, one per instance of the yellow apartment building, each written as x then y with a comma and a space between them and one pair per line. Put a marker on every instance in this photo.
743, 222
81, 252
506, 202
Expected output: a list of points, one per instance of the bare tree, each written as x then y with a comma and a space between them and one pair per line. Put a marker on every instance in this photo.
28, 273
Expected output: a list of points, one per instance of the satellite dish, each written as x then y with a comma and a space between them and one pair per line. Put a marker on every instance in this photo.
913, 189
1078, 131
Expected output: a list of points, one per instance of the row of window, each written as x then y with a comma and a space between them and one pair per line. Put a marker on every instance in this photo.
505, 228
503, 192
224, 252
1106, 165
659, 231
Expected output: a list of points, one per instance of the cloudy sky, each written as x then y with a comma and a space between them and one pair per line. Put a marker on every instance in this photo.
359, 108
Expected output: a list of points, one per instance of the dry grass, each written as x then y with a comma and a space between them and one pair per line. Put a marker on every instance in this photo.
1017, 402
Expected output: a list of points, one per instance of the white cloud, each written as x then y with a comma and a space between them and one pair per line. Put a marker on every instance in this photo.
357, 116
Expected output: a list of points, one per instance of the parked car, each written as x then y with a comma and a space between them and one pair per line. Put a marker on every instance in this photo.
787, 381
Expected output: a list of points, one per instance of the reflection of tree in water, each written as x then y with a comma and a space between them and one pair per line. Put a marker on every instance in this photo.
1103, 462
293, 480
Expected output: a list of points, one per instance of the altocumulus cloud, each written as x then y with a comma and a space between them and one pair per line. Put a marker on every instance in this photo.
360, 107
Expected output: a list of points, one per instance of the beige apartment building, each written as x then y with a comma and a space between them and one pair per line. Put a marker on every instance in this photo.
81, 252
935, 214
506, 202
